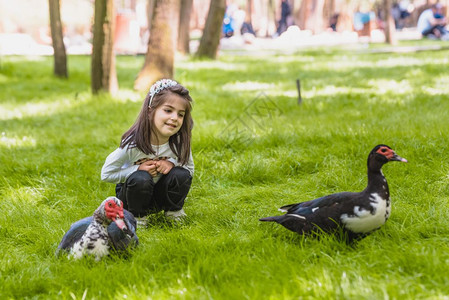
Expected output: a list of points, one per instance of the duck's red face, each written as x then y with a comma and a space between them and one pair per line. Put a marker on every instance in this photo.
114, 211
389, 154
386, 151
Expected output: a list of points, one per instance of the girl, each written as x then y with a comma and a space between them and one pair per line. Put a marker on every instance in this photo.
153, 167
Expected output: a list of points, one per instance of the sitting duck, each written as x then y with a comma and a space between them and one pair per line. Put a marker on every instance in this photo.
111, 226
357, 214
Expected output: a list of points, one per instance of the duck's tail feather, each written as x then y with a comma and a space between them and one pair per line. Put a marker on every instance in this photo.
270, 219
292, 222
286, 208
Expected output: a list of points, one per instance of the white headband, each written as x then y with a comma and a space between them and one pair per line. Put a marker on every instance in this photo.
160, 85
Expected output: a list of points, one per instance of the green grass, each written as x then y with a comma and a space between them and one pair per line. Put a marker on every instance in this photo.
55, 137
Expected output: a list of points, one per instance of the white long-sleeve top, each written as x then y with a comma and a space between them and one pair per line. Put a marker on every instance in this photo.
122, 162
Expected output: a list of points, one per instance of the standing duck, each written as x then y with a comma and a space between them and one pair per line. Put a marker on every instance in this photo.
357, 214
110, 226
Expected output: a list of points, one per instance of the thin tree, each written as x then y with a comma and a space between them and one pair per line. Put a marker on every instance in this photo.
296, 5
60, 57
104, 77
311, 15
249, 12
271, 17
390, 36
328, 12
248, 21
447, 8
160, 56
316, 17
345, 10
184, 26
304, 13
212, 30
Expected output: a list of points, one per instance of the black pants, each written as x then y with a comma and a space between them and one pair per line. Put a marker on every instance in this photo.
141, 196
282, 26
432, 30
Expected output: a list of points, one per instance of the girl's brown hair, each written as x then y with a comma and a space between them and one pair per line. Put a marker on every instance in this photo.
139, 135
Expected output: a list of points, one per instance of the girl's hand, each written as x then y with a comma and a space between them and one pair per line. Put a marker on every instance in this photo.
164, 166
150, 167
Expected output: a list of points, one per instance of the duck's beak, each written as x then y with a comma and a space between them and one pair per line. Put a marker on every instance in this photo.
398, 158
120, 223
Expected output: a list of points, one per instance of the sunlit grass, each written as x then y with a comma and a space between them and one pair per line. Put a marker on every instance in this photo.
14, 111
55, 137
12, 142
213, 65
247, 86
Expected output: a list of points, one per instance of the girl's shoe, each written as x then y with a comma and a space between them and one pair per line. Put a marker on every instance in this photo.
175, 215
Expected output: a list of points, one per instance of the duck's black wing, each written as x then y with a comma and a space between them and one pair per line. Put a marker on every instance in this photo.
75, 232
305, 217
309, 207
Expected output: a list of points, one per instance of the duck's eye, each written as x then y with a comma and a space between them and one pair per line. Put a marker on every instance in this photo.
383, 150
110, 204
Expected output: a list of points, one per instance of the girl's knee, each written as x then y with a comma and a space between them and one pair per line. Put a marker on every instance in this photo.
140, 179
180, 176
180, 172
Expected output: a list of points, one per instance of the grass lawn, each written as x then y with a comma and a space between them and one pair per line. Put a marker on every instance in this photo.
55, 137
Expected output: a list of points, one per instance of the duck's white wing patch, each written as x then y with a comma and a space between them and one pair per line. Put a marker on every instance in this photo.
363, 221
296, 216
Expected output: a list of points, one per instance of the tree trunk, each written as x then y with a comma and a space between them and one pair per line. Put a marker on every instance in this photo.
328, 12
184, 26
249, 11
159, 60
272, 13
104, 77
150, 12
271, 18
316, 16
212, 30
304, 14
390, 36
447, 9
345, 12
296, 6
60, 57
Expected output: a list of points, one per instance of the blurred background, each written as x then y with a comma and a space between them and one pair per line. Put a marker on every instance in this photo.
25, 26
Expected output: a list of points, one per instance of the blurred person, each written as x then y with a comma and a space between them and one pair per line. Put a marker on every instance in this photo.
285, 12
431, 23
229, 22
333, 22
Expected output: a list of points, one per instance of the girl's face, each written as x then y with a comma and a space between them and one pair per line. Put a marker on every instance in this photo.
168, 118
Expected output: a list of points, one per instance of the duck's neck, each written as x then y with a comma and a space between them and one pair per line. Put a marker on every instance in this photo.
102, 226
377, 183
